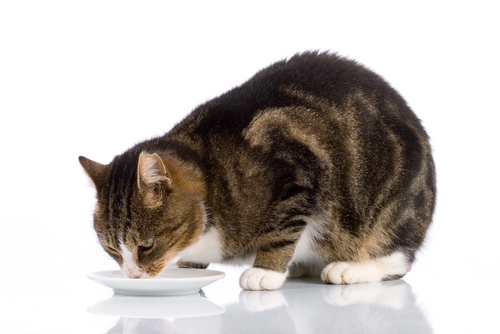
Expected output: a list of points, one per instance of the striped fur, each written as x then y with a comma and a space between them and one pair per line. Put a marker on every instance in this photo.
316, 143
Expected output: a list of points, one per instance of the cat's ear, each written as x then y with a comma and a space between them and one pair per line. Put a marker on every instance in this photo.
152, 177
96, 171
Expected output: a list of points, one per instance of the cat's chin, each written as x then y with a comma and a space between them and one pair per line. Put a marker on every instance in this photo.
141, 276
136, 274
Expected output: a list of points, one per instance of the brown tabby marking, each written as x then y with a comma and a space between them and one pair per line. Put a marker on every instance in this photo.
315, 162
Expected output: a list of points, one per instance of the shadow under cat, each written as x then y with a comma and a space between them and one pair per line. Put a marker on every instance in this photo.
301, 306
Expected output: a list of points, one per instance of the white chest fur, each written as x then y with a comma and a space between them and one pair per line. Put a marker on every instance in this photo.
207, 249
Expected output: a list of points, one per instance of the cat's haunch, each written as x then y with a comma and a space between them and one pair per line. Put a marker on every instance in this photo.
315, 166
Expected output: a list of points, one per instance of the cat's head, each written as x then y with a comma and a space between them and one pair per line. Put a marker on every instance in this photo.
149, 208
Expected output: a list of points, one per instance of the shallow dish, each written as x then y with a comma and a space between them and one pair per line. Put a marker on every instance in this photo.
171, 282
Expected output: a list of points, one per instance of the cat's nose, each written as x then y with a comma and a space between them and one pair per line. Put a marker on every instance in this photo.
134, 275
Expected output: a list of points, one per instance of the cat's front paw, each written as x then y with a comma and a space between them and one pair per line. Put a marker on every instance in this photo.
261, 279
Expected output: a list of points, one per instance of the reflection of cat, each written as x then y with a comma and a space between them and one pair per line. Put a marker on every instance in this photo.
141, 326
386, 307
315, 162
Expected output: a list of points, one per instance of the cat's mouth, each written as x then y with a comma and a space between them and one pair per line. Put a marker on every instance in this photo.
133, 273
141, 276
136, 272
137, 275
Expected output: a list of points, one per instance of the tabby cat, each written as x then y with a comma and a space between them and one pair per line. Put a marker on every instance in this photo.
315, 166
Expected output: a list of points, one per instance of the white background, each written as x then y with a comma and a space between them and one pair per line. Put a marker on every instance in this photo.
93, 78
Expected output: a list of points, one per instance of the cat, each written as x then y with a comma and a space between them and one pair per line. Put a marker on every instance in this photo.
314, 166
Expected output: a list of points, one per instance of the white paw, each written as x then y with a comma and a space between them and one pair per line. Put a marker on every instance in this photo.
350, 273
261, 279
373, 270
333, 273
258, 301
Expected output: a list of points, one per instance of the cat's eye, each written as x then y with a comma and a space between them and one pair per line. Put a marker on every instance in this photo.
148, 244
145, 248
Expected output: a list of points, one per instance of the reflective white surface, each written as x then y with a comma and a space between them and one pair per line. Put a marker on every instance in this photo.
441, 294
193, 305
302, 306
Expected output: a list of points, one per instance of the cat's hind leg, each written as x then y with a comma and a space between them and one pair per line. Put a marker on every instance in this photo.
393, 266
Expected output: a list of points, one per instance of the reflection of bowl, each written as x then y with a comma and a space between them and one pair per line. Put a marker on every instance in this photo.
156, 307
170, 282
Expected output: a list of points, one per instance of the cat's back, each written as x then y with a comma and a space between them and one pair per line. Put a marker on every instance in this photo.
327, 116
325, 84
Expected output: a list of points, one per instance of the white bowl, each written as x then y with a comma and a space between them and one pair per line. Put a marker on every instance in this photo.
171, 282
